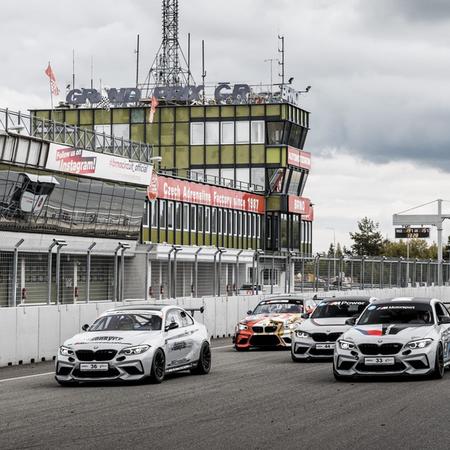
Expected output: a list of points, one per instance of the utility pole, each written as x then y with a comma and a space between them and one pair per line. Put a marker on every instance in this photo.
271, 60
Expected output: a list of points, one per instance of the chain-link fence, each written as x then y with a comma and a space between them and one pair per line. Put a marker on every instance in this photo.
59, 276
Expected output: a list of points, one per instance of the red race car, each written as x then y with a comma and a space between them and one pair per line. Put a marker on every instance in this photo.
270, 323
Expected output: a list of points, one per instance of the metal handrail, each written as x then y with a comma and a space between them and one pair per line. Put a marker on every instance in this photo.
62, 133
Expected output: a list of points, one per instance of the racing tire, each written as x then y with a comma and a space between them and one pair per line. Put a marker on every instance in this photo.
158, 370
204, 362
439, 367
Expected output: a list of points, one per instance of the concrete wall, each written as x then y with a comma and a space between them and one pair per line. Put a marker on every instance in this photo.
33, 333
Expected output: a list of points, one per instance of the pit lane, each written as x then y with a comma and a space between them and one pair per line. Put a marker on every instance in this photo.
256, 399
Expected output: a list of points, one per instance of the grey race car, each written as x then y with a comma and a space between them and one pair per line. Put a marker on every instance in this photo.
315, 338
134, 343
398, 336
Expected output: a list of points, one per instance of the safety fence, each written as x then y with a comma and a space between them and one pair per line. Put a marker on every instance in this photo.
33, 333
62, 276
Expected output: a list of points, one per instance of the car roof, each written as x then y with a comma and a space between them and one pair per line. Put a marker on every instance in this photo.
283, 298
349, 298
423, 300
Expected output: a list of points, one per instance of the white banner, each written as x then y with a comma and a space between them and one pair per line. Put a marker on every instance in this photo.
97, 165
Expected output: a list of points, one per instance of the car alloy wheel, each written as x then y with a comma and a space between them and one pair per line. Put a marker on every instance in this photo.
158, 367
204, 363
439, 367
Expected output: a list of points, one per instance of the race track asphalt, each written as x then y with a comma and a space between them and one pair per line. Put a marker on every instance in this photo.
252, 400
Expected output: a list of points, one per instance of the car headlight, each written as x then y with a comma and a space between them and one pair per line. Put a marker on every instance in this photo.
241, 327
65, 351
136, 350
346, 345
302, 334
419, 343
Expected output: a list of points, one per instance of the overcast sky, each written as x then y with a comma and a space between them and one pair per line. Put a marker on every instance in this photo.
379, 70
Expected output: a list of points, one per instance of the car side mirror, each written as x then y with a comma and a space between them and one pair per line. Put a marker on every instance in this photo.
171, 326
304, 316
249, 312
85, 327
444, 320
351, 321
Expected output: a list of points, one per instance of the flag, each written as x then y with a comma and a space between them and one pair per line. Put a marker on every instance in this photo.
104, 103
153, 107
53, 87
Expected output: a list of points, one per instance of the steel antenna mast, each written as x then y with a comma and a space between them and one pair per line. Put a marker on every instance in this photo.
167, 69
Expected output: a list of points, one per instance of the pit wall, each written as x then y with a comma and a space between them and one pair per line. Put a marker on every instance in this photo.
33, 333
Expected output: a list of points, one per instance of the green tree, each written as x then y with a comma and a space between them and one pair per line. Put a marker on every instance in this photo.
330, 253
367, 240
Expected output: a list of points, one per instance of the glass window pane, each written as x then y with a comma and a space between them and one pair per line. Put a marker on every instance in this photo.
197, 133
137, 115
258, 132
186, 217
228, 177
162, 214
258, 178
274, 133
154, 210
207, 218
227, 136
242, 132
242, 177
193, 218
200, 218
178, 216
213, 220
212, 133
170, 215
121, 130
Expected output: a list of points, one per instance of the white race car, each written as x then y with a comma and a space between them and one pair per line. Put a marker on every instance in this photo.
315, 338
134, 343
399, 336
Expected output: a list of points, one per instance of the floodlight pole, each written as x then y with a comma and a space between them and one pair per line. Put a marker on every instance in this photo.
439, 239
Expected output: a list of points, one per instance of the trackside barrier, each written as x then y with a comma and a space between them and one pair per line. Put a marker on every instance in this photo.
33, 333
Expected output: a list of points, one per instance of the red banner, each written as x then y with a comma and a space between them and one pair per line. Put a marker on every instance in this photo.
203, 194
301, 205
299, 158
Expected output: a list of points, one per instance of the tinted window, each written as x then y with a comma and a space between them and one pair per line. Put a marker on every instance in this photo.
339, 308
397, 313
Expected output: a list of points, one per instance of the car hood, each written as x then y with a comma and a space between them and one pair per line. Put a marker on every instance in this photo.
390, 332
114, 339
324, 325
267, 319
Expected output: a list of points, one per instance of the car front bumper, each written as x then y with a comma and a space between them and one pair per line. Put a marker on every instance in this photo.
309, 349
246, 339
131, 368
414, 362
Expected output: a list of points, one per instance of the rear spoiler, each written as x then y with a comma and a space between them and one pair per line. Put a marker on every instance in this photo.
192, 310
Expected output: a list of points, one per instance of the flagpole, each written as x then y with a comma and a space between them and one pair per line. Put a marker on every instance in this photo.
51, 91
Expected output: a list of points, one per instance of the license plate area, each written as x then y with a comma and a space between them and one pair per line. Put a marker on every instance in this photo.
93, 367
380, 361
325, 346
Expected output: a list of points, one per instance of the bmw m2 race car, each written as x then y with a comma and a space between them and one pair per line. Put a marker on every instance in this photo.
316, 336
270, 323
394, 337
134, 343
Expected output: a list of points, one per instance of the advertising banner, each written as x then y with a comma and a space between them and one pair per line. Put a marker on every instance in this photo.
97, 165
301, 205
187, 191
299, 158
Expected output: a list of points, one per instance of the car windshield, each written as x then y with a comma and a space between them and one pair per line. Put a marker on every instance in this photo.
136, 321
339, 308
279, 307
397, 313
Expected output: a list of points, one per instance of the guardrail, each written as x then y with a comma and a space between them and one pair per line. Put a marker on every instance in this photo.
52, 131
33, 333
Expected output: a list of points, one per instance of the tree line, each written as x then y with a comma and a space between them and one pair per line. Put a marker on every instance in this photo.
368, 241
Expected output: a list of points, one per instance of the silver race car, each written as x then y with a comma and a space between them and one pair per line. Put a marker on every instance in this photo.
315, 338
397, 336
134, 343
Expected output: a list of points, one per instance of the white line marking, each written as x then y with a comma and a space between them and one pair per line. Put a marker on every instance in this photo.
27, 376
52, 373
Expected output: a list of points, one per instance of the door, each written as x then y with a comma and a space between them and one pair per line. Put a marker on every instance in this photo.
175, 341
